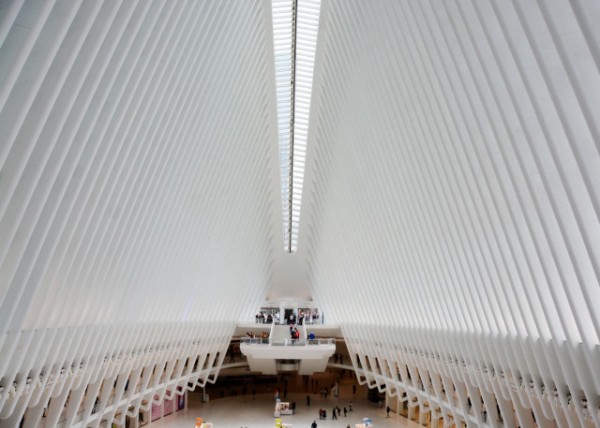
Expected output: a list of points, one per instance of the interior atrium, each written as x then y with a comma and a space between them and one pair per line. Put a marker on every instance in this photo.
421, 175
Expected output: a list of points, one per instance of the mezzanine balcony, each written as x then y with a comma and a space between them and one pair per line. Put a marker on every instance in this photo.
280, 353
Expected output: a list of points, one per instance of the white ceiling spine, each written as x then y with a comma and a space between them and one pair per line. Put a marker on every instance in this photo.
452, 200
136, 208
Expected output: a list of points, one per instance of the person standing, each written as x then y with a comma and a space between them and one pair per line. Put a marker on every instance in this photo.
387, 411
314, 424
334, 414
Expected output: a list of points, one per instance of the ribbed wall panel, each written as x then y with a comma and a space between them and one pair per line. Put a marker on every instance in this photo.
137, 193
450, 221
451, 207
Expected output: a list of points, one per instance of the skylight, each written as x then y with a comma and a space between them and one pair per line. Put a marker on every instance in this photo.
295, 26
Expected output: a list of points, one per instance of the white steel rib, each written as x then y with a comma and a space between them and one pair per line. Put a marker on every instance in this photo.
450, 201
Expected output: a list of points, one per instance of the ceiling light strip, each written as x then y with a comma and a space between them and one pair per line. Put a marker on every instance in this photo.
295, 26
307, 22
283, 24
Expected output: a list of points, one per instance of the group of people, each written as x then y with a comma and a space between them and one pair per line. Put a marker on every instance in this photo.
308, 316
264, 317
263, 335
335, 412
303, 316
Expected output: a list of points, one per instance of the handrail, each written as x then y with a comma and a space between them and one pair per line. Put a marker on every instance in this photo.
286, 342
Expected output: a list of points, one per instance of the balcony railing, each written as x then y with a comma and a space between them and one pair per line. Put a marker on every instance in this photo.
287, 342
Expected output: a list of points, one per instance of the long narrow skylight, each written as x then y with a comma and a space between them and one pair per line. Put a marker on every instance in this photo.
295, 26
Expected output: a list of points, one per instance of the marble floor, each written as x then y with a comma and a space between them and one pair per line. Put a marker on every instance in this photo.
248, 412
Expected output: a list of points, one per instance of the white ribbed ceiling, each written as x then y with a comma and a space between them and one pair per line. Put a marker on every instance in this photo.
138, 185
135, 155
450, 219
451, 215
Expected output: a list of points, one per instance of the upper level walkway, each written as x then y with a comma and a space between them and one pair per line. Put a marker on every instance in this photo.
280, 353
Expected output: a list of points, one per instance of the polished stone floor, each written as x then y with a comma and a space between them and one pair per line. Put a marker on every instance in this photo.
244, 411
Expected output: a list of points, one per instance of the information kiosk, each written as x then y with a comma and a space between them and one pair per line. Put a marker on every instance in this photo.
282, 408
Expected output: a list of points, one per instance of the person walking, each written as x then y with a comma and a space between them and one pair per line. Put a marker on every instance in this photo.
314, 424
345, 412
387, 411
308, 400
334, 414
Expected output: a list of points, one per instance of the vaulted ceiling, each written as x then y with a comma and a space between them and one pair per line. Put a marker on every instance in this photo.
449, 220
